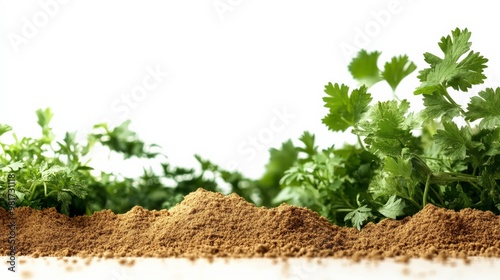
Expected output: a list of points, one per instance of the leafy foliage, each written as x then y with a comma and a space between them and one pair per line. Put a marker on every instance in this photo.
444, 154
449, 71
405, 159
364, 68
345, 109
55, 173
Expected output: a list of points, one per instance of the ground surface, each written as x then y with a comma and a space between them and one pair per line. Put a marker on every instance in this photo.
208, 225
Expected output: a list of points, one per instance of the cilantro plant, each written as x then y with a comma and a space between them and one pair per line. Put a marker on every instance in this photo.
445, 154
404, 159
53, 172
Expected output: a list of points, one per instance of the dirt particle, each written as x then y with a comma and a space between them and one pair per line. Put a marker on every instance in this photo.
126, 262
26, 274
406, 271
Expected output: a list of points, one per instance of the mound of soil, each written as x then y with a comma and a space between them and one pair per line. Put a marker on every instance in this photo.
208, 224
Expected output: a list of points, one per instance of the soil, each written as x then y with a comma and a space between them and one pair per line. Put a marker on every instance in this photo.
207, 224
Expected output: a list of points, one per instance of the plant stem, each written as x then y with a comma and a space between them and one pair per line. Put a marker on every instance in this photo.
395, 96
448, 97
32, 190
413, 202
439, 197
426, 191
361, 143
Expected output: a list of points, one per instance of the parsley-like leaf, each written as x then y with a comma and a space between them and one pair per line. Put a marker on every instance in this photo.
397, 69
455, 141
398, 167
15, 166
310, 147
345, 110
359, 216
393, 208
437, 106
388, 127
486, 107
364, 68
460, 75
4, 128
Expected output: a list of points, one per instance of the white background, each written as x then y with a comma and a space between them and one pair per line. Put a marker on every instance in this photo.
230, 68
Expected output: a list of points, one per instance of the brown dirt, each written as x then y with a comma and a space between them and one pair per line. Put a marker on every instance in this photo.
210, 224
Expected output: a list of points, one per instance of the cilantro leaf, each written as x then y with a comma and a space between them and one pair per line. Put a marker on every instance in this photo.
455, 141
393, 208
44, 117
460, 75
388, 128
437, 106
15, 166
486, 107
397, 69
359, 216
123, 140
280, 160
364, 68
310, 147
4, 128
398, 167
492, 142
345, 110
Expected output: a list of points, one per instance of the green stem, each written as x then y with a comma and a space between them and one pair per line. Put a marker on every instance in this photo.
413, 202
449, 177
448, 97
395, 96
426, 191
32, 190
438, 196
344, 210
361, 143
475, 186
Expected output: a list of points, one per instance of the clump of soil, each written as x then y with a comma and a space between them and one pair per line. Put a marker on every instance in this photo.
208, 224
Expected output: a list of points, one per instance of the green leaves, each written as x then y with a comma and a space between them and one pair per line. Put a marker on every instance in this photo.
422, 157
403, 159
398, 166
437, 106
44, 117
454, 141
486, 107
449, 71
397, 69
344, 110
359, 216
4, 128
122, 140
50, 172
14, 166
387, 128
393, 208
365, 70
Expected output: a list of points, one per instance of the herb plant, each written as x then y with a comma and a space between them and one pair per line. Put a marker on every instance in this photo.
445, 154
405, 159
53, 172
